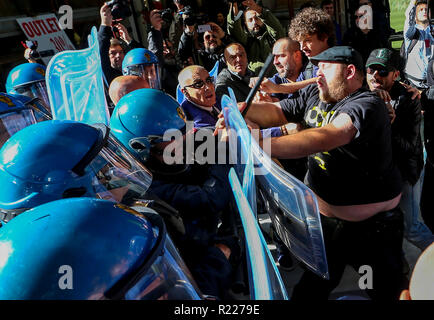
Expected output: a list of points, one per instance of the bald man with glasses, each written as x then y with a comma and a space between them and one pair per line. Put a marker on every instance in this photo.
201, 104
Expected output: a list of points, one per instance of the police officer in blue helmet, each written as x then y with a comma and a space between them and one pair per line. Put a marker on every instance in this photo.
144, 120
86, 248
16, 113
29, 79
143, 63
56, 159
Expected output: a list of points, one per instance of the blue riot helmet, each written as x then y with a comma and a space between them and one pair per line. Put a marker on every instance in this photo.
38, 106
86, 248
16, 113
29, 79
140, 120
143, 63
56, 159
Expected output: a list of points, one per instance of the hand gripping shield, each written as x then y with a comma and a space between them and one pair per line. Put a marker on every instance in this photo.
292, 206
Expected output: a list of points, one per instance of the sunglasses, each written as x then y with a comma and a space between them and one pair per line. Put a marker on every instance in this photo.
380, 71
208, 36
200, 84
358, 16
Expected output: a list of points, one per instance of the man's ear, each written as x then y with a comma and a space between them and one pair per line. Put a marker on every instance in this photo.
396, 74
185, 93
350, 71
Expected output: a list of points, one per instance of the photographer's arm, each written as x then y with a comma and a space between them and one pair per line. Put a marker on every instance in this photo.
273, 25
155, 37
409, 24
235, 29
186, 43
104, 36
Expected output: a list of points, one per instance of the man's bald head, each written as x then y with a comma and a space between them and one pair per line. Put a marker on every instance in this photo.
197, 85
288, 59
122, 85
185, 77
288, 44
422, 279
236, 58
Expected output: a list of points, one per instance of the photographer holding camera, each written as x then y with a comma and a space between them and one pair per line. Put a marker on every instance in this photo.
31, 53
111, 51
214, 42
262, 29
177, 26
169, 62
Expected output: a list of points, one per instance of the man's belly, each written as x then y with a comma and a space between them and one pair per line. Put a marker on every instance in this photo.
356, 212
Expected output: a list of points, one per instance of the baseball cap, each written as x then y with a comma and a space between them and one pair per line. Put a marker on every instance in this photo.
385, 57
344, 54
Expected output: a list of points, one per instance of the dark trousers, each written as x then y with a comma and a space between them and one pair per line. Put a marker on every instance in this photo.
375, 242
426, 201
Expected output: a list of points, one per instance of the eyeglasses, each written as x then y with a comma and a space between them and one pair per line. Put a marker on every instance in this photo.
200, 84
358, 16
380, 71
208, 36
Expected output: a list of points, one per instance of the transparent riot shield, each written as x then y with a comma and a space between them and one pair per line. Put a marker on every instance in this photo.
292, 206
264, 277
240, 141
75, 85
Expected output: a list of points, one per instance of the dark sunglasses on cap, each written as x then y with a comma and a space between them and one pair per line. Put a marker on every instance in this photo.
200, 83
382, 72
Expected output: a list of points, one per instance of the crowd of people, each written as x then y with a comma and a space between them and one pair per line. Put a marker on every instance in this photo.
344, 112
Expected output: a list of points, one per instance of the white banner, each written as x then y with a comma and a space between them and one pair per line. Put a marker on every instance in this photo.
46, 31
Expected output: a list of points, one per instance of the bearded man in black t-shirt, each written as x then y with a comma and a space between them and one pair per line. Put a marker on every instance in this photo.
350, 169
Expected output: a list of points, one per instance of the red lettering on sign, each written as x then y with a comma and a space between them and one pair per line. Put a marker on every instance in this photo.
45, 26
35, 28
59, 43
28, 30
53, 24
40, 27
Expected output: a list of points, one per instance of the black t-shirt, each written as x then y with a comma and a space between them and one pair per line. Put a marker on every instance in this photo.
360, 172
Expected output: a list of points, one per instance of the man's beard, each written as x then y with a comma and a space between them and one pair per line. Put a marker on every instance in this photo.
336, 90
212, 50
117, 66
286, 72
258, 32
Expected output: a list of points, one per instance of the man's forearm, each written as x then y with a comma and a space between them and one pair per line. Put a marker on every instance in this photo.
266, 114
273, 25
309, 141
294, 86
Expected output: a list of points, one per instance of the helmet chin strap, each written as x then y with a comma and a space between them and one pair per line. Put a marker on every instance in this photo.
161, 169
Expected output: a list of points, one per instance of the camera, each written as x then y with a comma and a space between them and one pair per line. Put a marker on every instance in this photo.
190, 18
120, 9
33, 46
166, 15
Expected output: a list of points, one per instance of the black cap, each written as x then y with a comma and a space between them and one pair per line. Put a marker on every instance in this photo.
418, 2
384, 57
344, 54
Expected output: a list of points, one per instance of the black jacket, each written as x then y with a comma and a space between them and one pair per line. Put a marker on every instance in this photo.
364, 43
406, 137
104, 36
240, 85
201, 57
